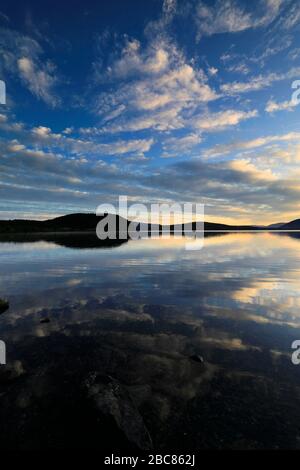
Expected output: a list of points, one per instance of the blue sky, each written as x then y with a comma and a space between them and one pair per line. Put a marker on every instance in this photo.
162, 101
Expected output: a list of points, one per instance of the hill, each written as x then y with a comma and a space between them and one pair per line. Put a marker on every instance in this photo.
66, 223
278, 226
293, 225
87, 223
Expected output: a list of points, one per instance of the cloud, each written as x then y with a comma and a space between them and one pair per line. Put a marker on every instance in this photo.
164, 120
149, 88
180, 146
133, 61
149, 98
40, 81
291, 17
255, 84
259, 82
22, 58
43, 131
273, 107
225, 149
7, 126
274, 46
35, 162
169, 8
257, 189
212, 71
222, 119
241, 68
294, 53
152, 85
228, 16
252, 172
45, 137
4, 17
34, 174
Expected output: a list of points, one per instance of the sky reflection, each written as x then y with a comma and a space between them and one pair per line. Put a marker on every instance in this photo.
140, 311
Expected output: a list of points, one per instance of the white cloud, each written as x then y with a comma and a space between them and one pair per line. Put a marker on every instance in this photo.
255, 84
39, 80
212, 71
68, 130
180, 146
228, 16
222, 119
291, 16
225, 149
22, 57
16, 147
45, 137
8, 126
150, 88
47, 160
273, 107
253, 173
169, 8
294, 53
260, 82
42, 131
132, 61
241, 67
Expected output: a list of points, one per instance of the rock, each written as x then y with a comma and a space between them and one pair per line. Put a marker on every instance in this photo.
10, 372
4, 305
45, 320
112, 399
197, 358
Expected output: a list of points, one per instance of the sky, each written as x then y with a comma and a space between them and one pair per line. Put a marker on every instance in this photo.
158, 100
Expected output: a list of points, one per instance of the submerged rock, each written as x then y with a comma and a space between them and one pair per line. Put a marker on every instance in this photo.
10, 372
197, 358
113, 400
4, 305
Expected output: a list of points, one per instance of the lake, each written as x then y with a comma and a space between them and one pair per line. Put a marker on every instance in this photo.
148, 346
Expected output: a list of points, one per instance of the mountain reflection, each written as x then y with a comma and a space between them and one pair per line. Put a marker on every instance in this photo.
67, 240
133, 318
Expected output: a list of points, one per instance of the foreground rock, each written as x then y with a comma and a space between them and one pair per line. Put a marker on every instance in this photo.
113, 400
4, 305
197, 358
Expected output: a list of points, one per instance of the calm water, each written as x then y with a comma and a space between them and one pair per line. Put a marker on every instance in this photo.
123, 327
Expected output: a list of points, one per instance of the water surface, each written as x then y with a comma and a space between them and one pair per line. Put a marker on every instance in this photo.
196, 343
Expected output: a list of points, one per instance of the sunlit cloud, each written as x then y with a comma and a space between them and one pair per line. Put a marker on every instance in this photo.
230, 17
152, 112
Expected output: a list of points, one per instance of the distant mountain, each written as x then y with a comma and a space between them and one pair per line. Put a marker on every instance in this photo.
73, 223
278, 225
293, 225
87, 223
66, 223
